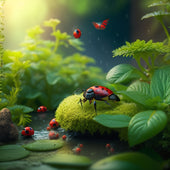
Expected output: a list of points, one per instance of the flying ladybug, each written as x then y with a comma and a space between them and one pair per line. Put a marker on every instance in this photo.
27, 131
100, 25
42, 109
77, 33
98, 93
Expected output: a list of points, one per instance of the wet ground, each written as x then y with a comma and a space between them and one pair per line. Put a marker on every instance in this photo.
93, 146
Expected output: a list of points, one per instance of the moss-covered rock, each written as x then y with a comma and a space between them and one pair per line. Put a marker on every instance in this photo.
72, 116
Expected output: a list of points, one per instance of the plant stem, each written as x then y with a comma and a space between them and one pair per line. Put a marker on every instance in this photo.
165, 29
56, 45
142, 72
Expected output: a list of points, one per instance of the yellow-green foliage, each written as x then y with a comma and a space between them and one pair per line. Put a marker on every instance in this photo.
72, 116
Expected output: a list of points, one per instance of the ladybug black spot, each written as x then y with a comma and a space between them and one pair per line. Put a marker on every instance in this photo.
27, 132
102, 88
96, 86
77, 31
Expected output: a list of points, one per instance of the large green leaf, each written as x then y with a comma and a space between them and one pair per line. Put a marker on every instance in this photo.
44, 145
68, 160
12, 152
113, 121
139, 86
138, 97
121, 73
145, 125
160, 84
127, 161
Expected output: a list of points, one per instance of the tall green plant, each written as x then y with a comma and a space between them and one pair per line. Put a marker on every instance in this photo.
53, 71
147, 86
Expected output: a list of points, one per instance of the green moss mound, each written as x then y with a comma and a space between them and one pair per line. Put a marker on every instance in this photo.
72, 116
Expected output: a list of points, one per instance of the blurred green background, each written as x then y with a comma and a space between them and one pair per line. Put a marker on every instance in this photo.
23, 14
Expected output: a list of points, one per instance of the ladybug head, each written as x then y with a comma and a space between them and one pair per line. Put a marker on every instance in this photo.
89, 94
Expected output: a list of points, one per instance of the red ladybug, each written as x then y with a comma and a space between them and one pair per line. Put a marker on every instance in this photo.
27, 131
42, 109
99, 93
53, 123
77, 33
102, 25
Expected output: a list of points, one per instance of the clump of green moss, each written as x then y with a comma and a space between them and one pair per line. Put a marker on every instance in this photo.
72, 116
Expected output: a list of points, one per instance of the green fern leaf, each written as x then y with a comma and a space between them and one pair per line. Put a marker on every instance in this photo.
156, 14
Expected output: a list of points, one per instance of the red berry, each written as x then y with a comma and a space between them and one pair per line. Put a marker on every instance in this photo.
64, 137
108, 145
112, 150
57, 135
78, 150
53, 135
81, 145
48, 128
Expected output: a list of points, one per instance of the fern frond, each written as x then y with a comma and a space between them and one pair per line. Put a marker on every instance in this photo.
19, 114
156, 14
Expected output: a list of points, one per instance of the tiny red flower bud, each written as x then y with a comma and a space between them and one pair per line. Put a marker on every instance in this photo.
78, 150
112, 150
108, 145
57, 135
81, 145
48, 128
64, 137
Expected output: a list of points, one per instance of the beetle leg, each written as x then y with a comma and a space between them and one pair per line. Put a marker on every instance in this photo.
107, 103
81, 102
95, 105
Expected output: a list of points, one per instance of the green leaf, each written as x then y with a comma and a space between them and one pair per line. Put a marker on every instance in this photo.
156, 14
138, 97
119, 87
160, 84
121, 73
160, 3
142, 87
20, 108
113, 121
76, 43
12, 152
145, 125
127, 161
68, 160
52, 78
44, 145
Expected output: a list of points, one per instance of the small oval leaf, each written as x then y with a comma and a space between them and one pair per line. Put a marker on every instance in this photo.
113, 121
44, 145
12, 152
68, 160
145, 125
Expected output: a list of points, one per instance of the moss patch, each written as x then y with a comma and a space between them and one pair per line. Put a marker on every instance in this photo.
72, 116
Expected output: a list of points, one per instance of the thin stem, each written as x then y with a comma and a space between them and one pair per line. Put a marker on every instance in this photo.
142, 72
164, 27
56, 45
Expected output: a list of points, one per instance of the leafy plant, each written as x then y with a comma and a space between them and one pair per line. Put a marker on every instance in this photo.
147, 86
12, 68
51, 71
